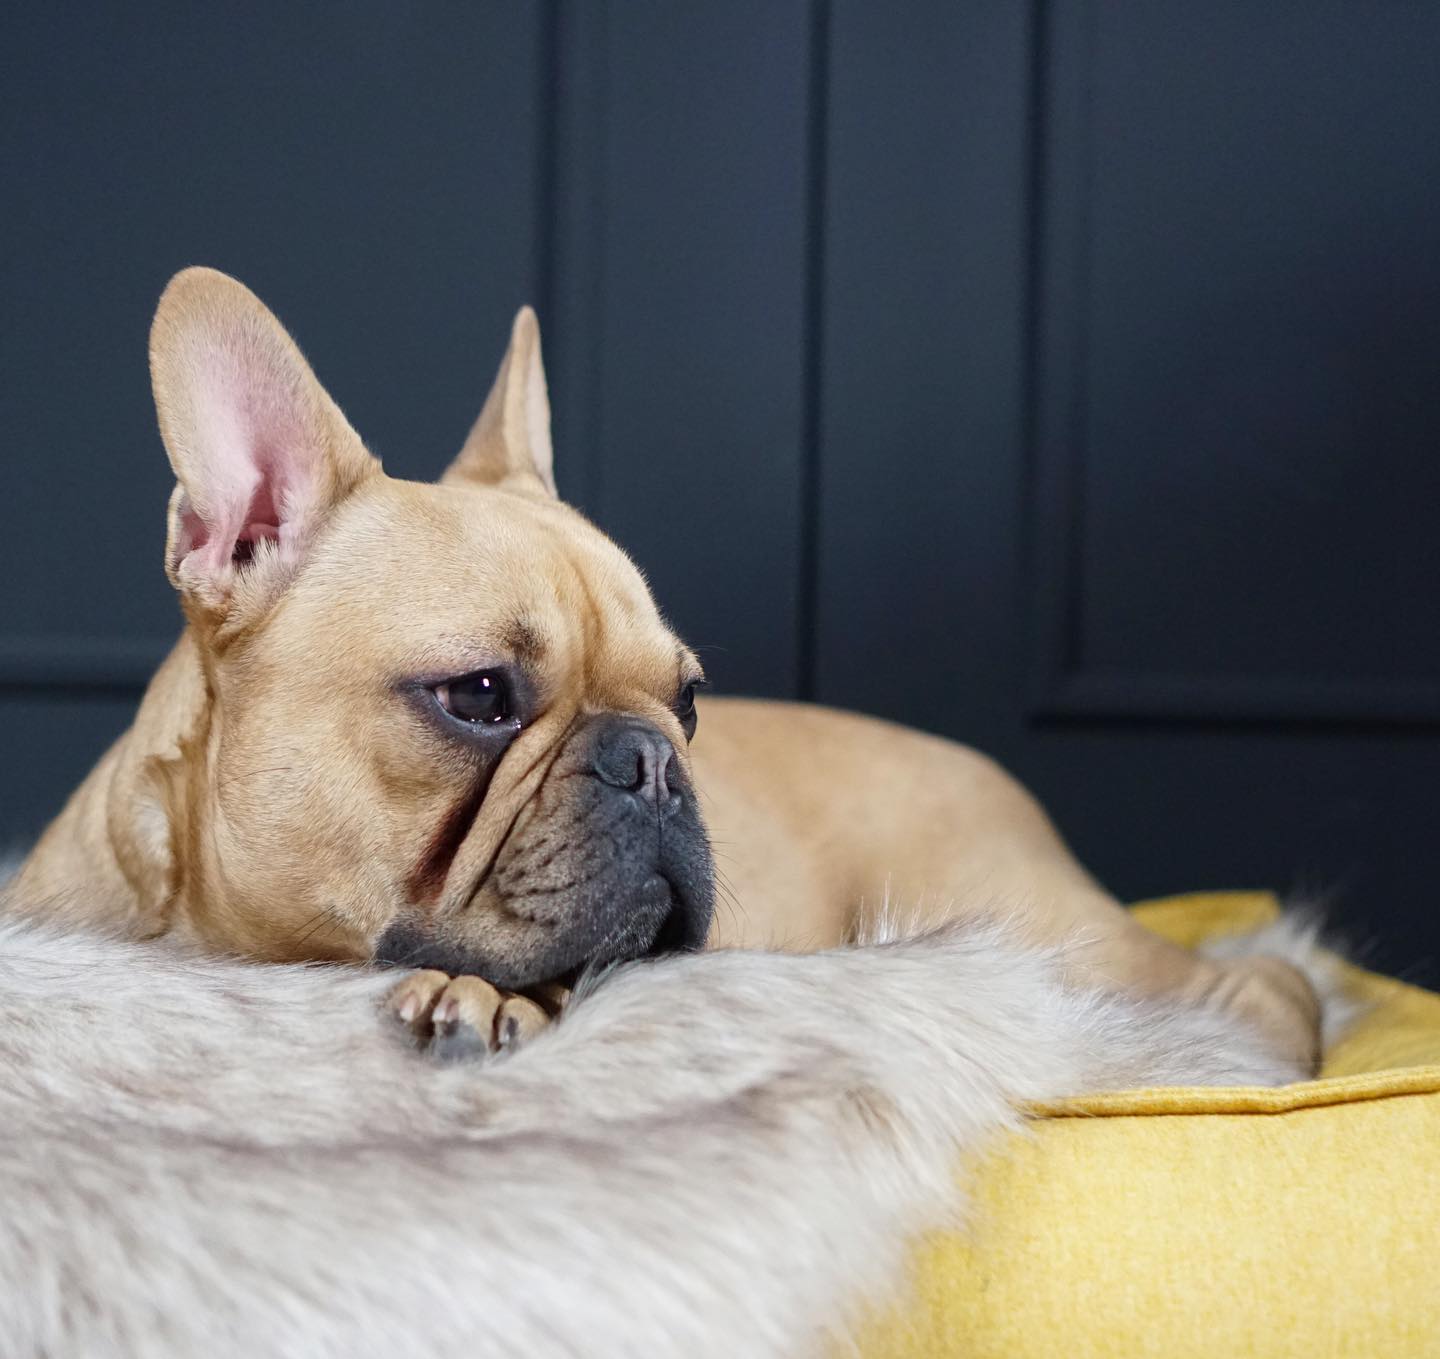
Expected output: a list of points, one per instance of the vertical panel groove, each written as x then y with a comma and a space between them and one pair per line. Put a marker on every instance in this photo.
1036, 149
575, 51
547, 116
1072, 639
595, 205
811, 465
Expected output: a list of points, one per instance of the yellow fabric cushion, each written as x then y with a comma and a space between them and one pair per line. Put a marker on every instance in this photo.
1240, 1222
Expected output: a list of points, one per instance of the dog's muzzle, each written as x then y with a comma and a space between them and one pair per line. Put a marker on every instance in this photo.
615, 864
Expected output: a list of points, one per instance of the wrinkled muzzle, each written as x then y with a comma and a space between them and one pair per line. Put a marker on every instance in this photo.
609, 861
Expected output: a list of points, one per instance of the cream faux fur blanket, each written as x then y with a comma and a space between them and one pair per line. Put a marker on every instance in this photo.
716, 1155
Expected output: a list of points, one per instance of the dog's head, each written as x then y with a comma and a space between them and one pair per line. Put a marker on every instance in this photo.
439, 724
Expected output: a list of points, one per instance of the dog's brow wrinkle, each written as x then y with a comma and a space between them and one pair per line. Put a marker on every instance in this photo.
523, 640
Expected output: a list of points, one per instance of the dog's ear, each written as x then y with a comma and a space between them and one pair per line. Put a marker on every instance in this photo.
259, 450
510, 442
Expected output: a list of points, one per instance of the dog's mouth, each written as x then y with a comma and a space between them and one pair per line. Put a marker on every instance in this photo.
672, 938
637, 937
661, 923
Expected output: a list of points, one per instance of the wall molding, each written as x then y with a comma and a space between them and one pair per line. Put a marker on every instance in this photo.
1278, 700
61, 665
1061, 685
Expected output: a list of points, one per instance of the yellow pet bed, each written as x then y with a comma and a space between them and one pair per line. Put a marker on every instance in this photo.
1298, 1221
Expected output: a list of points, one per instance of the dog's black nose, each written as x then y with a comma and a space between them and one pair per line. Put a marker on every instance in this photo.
637, 758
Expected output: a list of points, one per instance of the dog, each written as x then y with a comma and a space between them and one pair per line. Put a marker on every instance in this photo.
446, 726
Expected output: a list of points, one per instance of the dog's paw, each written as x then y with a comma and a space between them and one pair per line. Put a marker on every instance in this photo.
453, 1018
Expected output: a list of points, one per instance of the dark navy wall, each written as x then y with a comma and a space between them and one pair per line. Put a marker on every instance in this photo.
1058, 376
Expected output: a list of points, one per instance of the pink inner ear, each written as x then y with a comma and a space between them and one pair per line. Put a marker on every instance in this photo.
259, 523
255, 464
262, 520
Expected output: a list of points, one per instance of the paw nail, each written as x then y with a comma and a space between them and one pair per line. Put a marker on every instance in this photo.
409, 1008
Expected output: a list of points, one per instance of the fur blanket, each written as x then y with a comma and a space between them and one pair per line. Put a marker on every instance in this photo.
716, 1155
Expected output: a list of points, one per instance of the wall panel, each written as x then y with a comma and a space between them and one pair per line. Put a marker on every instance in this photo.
679, 309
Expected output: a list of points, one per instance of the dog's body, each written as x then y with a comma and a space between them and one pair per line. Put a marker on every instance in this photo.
446, 725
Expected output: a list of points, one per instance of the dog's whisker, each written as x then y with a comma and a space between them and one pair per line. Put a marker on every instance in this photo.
326, 915
729, 898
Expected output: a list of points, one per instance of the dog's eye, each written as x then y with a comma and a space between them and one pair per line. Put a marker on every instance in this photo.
685, 710
481, 698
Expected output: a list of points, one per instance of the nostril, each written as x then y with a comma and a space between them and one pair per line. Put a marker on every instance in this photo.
651, 763
638, 760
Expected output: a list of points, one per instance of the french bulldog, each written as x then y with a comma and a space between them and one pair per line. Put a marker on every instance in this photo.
445, 726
